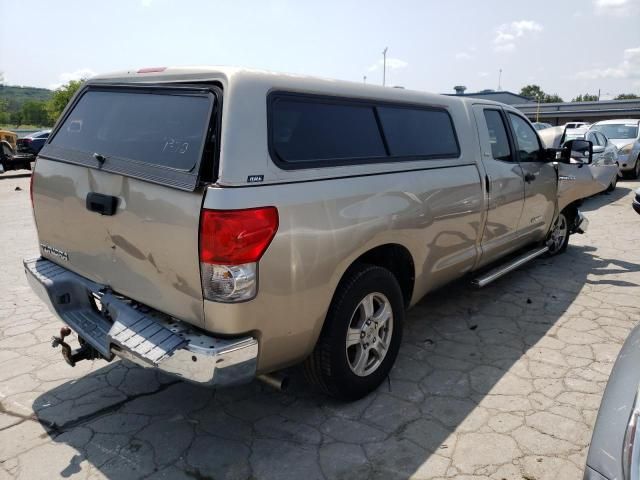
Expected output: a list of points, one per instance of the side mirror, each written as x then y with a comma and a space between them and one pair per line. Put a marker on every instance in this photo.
580, 150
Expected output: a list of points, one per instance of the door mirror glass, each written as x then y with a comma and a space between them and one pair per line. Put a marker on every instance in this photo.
578, 150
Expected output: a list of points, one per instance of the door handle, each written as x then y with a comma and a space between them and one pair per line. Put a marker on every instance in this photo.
102, 204
529, 177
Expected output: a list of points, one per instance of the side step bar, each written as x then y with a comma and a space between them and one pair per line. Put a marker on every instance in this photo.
501, 270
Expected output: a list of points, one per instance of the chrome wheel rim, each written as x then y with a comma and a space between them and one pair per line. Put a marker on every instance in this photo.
369, 334
558, 234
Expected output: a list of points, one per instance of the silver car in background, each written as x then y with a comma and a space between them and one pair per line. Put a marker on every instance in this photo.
605, 154
625, 134
614, 452
604, 168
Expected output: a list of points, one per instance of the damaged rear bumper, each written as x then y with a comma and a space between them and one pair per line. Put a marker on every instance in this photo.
116, 326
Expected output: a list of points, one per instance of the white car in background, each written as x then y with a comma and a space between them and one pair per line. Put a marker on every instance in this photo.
624, 133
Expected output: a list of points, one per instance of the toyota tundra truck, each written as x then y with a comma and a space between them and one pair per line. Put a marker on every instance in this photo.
221, 224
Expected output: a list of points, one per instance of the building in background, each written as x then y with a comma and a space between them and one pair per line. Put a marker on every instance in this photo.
558, 113
501, 96
591, 112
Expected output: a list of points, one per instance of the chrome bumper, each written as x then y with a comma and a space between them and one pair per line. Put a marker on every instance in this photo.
114, 325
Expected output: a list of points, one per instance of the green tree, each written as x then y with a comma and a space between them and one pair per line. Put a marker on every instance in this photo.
16, 118
554, 98
35, 113
61, 97
534, 92
5, 115
587, 97
627, 96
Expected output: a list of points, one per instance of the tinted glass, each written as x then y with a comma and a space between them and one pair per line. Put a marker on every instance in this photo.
159, 129
618, 130
416, 132
498, 138
526, 139
306, 130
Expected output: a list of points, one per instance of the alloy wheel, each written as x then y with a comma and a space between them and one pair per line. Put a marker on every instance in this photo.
558, 234
369, 334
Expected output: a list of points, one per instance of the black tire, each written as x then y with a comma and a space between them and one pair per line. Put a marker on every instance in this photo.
636, 171
328, 367
614, 182
567, 216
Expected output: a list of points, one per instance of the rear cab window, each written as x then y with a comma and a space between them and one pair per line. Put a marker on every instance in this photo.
308, 131
156, 134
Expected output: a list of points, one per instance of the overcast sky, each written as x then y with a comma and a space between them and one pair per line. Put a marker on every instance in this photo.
567, 47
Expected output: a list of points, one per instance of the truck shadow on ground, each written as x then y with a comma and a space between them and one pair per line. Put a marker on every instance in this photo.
457, 364
604, 198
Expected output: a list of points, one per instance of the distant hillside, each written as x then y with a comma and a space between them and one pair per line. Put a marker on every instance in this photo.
24, 106
19, 95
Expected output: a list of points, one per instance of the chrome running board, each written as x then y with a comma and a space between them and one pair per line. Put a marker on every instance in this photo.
501, 270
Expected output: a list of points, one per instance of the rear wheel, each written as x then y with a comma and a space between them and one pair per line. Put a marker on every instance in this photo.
559, 236
361, 336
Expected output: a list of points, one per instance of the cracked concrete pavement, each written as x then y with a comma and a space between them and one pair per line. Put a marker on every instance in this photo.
499, 383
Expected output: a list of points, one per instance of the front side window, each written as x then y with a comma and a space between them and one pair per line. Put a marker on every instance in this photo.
304, 131
498, 138
529, 149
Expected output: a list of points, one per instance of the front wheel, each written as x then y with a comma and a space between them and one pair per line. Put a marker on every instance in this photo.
614, 182
361, 336
559, 236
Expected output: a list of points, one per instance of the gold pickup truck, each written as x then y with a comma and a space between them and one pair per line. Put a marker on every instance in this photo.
220, 224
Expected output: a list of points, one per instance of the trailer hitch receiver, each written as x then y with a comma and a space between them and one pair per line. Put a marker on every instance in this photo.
85, 352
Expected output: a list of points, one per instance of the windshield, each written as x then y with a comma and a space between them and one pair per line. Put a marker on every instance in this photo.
161, 129
618, 131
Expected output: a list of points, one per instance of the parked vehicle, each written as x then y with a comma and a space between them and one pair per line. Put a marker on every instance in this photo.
32, 143
295, 222
605, 155
9, 160
9, 137
570, 125
614, 452
600, 172
541, 125
625, 134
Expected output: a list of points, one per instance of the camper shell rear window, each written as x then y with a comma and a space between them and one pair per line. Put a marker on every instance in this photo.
159, 134
309, 131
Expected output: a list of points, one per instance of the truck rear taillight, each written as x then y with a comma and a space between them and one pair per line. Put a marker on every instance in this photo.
231, 244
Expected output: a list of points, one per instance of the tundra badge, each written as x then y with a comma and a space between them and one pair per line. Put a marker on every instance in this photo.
56, 252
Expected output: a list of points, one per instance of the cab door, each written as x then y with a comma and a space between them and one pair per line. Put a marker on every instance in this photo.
504, 184
540, 180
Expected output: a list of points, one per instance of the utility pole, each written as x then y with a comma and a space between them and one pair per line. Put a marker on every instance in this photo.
384, 66
500, 80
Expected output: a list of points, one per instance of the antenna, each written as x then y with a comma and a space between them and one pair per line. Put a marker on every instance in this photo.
500, 80
384, 66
